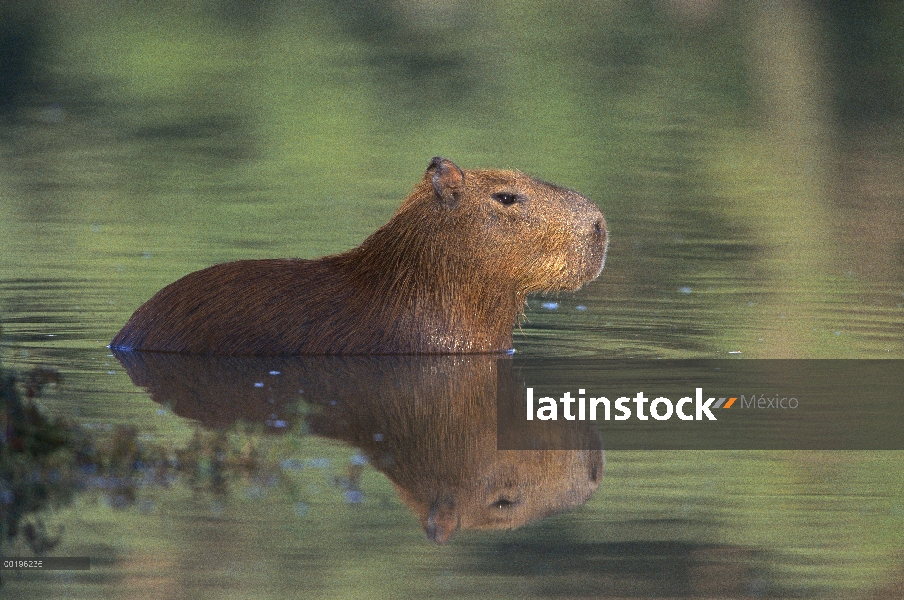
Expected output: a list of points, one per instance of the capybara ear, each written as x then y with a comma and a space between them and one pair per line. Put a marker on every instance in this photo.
448, 180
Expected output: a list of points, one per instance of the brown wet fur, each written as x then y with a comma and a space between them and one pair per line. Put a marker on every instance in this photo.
449, 273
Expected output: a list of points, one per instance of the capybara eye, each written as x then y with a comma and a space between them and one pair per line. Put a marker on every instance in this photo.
505, 197
503, 503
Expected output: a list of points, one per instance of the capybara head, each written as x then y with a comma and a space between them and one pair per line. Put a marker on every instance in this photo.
500, 228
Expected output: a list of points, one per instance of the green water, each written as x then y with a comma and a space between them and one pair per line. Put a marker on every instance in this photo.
752, 186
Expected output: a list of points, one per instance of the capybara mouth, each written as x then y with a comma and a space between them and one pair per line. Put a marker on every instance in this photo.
599, 245
593, 259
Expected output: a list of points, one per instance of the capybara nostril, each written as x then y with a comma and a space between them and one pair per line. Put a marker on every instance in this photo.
595, 473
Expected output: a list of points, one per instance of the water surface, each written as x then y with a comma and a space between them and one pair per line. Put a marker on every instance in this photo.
755, 211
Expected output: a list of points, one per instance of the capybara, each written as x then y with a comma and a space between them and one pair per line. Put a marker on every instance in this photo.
449, 273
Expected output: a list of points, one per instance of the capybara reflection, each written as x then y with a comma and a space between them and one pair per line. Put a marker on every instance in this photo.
427, 422
431, 429
449, 273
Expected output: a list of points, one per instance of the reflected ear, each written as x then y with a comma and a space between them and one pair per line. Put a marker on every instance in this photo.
443, 519
448, 181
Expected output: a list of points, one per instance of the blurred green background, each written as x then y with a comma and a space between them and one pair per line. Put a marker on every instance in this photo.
749, 151
748, 156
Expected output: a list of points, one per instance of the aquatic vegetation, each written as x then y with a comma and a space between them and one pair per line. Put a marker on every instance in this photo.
46, 461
